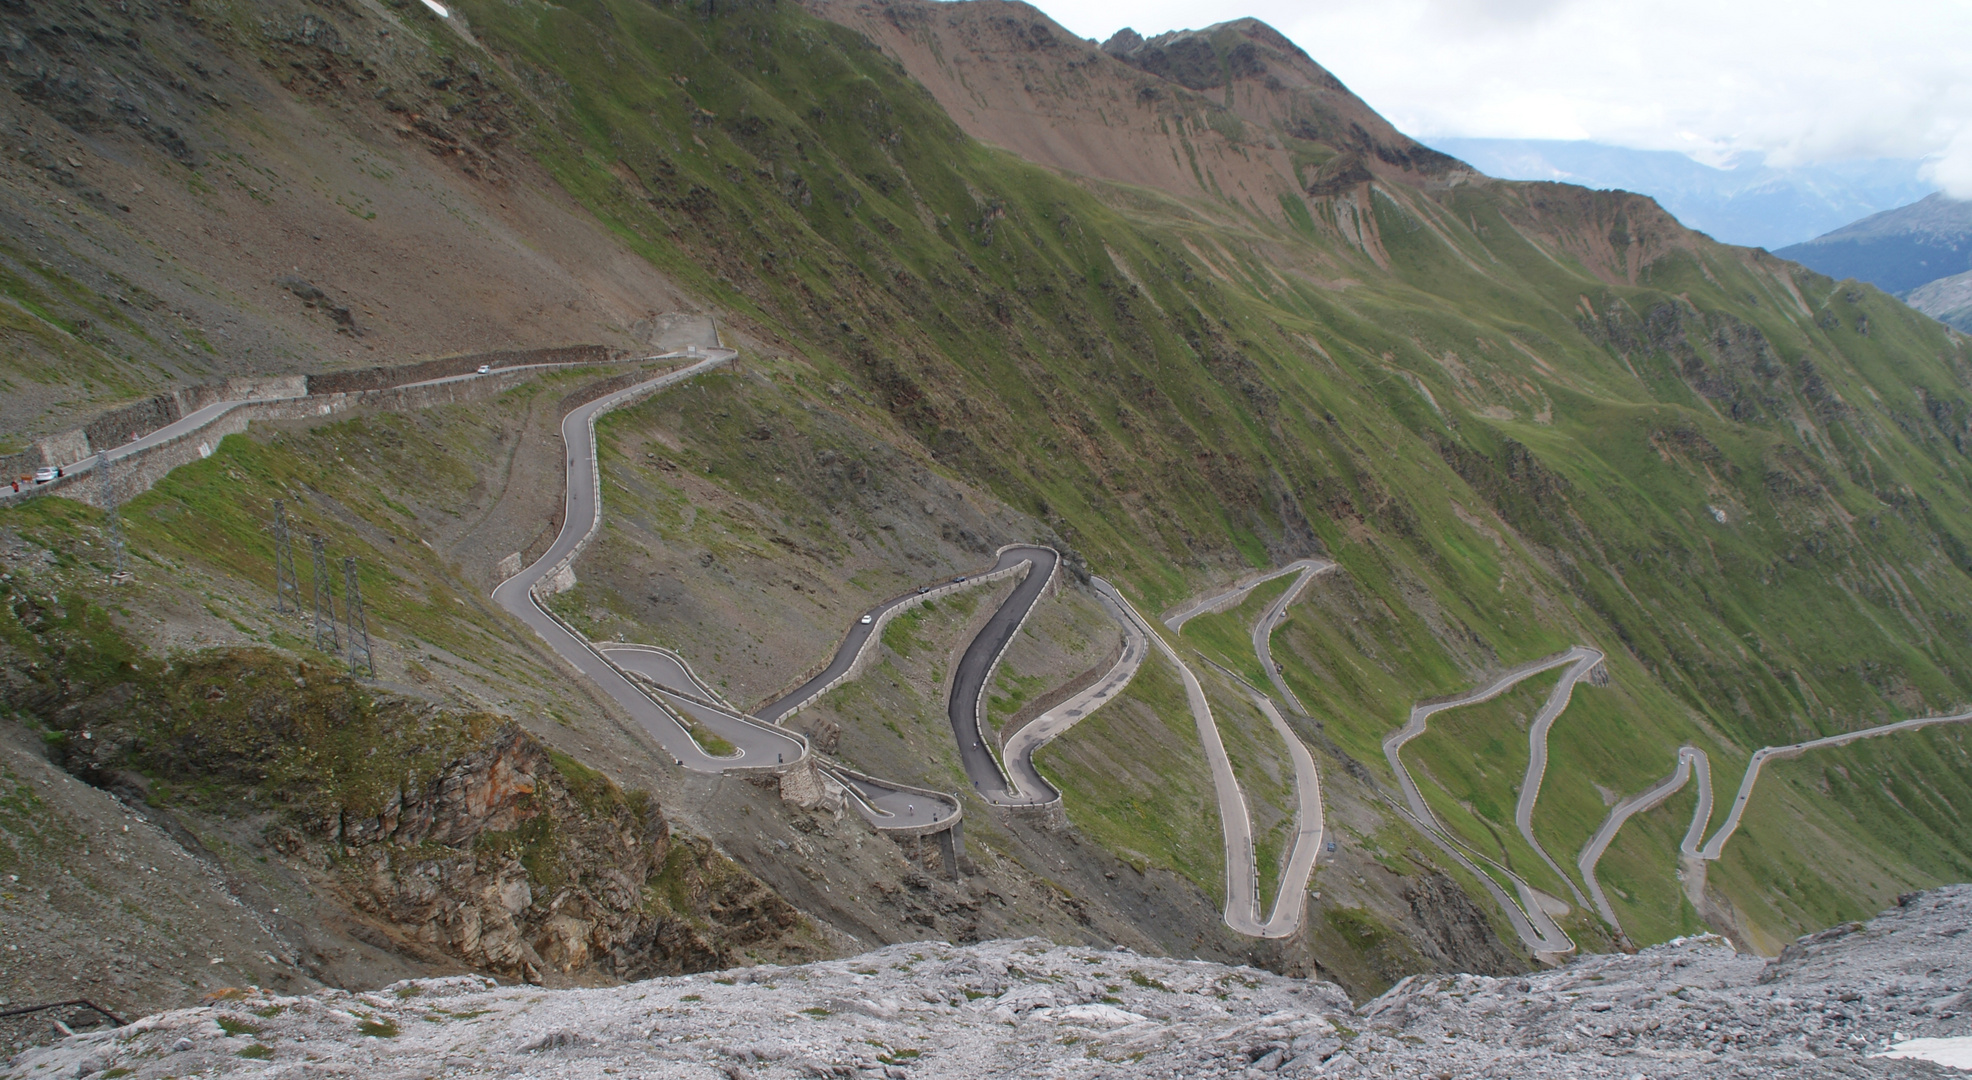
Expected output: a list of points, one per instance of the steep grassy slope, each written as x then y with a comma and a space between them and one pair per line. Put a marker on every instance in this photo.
1530, 415
1520, 416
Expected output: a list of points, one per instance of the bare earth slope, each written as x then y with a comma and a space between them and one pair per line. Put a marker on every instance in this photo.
1171, 114
296, 227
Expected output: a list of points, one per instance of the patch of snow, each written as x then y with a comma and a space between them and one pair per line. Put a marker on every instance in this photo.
1953, 1053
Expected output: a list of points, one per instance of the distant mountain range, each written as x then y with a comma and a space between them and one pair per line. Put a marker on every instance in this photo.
1750, 203
1896, 250
1921, 252
1948, 300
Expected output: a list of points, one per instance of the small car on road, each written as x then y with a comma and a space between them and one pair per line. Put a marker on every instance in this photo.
867, 619
46, 473
484, 368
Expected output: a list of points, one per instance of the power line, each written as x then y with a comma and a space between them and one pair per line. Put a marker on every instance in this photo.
286, 584
358, 627
325, 601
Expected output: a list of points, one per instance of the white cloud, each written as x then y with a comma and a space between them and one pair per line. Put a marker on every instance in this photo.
1801, 81
1952, 169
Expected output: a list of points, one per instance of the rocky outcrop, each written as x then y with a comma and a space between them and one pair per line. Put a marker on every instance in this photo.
526, 863
449, 835
1455, 934
1858, 1000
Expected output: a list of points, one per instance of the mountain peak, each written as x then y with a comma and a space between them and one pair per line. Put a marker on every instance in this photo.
1235, 111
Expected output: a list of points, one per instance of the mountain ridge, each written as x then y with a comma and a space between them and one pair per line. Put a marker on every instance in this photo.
1747, 202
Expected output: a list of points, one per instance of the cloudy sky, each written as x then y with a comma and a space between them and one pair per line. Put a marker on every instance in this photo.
1798, 80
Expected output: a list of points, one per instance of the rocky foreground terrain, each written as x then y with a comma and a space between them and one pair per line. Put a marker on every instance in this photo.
1856, 1000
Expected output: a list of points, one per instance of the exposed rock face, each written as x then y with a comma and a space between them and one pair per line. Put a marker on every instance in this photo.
450, 836
1831, 1005
523, 864
1455, 933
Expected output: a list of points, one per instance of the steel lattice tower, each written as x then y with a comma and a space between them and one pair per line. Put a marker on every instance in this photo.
325, 601
357, 626
113, 523
286, 584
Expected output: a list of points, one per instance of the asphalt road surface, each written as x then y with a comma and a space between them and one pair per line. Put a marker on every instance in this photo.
1290, 900
976, 665
1693, 762
584, 511
1637, 804
661, 666
1716, 844
1223, 600
861, 634
676, 690
1269, 621
1242, 912
193, 421
675, 685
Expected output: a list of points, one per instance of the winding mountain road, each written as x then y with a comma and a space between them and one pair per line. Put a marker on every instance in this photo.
583, 505
975, 668
193, 422
669, 690
1530, 787
1220, 601
1716, 844
1637, 804
667, 699
1529, 917
862, 635
1029, 788
1693, 762
1269, 621
1038, 565
1242, 910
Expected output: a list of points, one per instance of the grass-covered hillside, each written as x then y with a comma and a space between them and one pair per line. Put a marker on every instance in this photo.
1519, 416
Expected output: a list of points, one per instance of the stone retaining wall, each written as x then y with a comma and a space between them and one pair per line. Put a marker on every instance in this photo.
136, 473
122, 425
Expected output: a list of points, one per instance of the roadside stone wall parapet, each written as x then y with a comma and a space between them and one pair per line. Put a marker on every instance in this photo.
270, 398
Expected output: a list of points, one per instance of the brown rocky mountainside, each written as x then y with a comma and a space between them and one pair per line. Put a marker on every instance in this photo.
1234, 119
1235, 111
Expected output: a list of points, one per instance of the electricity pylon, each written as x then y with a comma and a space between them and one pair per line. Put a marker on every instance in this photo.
325, 601
358, 628
286, 584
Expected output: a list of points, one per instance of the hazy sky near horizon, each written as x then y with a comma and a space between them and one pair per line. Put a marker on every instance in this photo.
1798, 80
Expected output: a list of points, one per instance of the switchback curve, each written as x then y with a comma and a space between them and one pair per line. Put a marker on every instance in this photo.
653, 703
1537, 929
